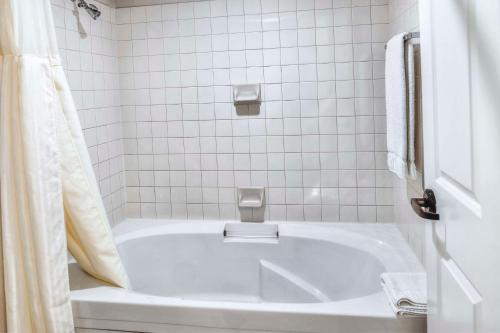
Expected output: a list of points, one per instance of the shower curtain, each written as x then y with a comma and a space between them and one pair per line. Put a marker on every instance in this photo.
49, 199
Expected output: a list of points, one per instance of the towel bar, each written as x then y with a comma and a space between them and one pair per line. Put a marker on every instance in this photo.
409, 36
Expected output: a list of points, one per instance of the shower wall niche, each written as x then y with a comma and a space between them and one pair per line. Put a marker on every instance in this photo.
177, 146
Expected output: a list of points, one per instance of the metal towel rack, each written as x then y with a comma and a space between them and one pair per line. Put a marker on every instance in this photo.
410, 36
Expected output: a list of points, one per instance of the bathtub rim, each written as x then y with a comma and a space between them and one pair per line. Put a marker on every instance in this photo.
158, 317
384, 239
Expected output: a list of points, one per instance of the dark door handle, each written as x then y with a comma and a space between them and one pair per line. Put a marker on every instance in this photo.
426, 207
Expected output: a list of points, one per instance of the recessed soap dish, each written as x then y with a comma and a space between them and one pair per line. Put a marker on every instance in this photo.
248, 93
251, 196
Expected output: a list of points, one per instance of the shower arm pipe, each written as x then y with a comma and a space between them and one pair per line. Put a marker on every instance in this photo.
91, 9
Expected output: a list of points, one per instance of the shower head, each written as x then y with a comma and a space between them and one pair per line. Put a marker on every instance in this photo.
91, 9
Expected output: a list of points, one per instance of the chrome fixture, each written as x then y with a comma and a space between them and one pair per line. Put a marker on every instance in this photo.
93, 11
409, 36
426, 207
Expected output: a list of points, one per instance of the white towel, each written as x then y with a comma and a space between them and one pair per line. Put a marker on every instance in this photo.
400, 106
407, 292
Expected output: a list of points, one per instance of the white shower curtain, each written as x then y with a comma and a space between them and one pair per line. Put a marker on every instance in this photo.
48, 194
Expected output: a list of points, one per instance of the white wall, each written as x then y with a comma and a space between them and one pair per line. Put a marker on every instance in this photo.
403, 16
321, 156
318, 143
89, 54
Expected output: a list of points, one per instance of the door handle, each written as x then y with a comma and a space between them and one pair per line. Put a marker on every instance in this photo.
426, 207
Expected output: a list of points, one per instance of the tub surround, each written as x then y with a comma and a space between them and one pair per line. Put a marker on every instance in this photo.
345, 181
317, 141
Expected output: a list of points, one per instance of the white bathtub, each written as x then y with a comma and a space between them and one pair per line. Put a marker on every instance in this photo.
188, 277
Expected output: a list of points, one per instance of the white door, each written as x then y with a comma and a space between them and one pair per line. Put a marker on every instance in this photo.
460, 43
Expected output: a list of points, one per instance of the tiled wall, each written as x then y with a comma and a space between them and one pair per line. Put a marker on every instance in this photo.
317, 142
404, 17
90, 59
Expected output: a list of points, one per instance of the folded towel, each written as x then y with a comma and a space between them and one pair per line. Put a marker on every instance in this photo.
400, 106
407, 292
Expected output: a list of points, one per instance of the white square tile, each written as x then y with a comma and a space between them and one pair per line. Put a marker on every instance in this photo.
218, 8
138, 14
235, 7
169, 11
202, 9
306, 19
324, 18
185, 10
306, 37
344, 16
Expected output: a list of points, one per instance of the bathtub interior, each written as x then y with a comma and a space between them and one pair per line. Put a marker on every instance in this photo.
288, 269
188, 277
